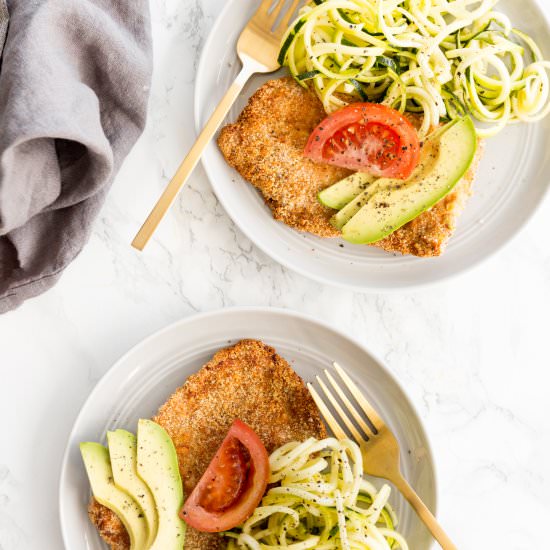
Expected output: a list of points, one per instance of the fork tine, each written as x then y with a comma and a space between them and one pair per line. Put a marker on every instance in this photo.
372, 415
327, 415
264, 6
345, 418
277, 10
288, 15
351, 408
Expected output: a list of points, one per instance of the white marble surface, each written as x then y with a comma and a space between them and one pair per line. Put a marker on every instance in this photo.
472, 353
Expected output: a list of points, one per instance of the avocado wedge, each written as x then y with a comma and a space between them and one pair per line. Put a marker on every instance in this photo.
393, 203
98, 466
347, 212
429, 155
123, 454
157, 465
341, 193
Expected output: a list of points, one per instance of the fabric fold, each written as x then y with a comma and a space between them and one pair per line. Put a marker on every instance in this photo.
74, 85
4, 19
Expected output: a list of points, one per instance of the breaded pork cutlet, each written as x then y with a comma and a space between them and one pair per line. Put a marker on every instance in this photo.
247, 381
266, 147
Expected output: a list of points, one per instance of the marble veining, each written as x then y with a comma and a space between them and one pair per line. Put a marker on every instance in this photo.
471, 353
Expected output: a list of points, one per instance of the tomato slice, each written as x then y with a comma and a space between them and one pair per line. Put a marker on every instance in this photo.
367, 137
233, 484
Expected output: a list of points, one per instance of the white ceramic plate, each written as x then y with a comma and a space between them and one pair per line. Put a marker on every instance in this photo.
511, 180
142, 380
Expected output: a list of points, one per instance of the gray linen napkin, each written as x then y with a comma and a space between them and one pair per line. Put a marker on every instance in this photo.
4, 17
74, 84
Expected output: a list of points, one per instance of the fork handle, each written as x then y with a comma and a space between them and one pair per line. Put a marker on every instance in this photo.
423, 513
190, 161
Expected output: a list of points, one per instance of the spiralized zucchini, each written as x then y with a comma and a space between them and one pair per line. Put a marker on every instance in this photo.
321, 501
442, 58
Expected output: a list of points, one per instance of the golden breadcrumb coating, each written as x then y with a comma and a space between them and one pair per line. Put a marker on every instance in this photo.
266, 147
247, 381
109, 526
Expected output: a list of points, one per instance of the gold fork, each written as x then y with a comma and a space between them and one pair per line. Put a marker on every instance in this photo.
380, 449
258, 47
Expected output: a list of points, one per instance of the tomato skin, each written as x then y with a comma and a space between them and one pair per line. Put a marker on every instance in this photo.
368, 137
223, 511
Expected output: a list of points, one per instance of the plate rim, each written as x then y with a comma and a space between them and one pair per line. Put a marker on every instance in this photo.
316, 276
229, 311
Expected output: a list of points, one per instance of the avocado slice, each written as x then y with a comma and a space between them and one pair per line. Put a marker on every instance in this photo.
123, 453
351, 208
394, 203
157, 465
98, 466
341, 193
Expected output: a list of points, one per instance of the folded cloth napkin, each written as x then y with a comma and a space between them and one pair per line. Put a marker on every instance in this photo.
4, 18
74, 85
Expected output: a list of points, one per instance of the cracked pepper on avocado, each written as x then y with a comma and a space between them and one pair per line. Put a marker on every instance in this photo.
372, 139
198, 476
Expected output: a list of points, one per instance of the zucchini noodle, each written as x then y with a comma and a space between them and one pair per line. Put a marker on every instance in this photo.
321, 501
441, 58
